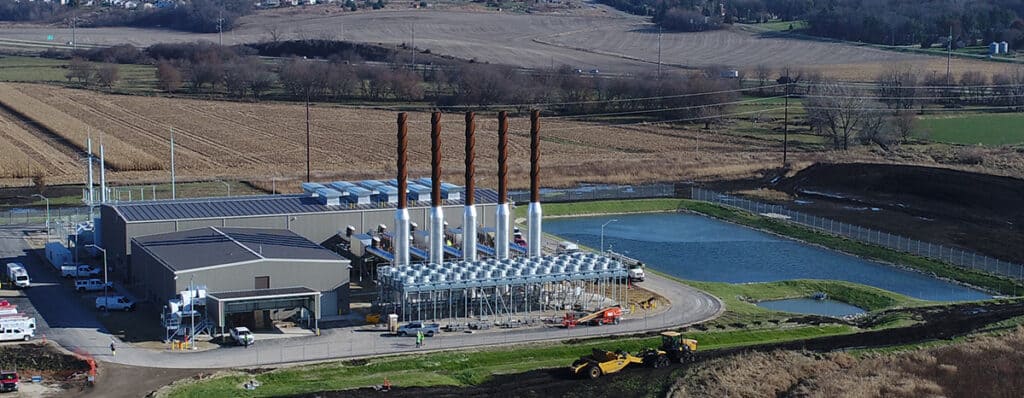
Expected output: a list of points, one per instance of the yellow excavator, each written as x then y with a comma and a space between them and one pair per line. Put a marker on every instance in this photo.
601, 362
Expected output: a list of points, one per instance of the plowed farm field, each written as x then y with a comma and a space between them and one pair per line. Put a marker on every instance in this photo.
259, 142
590, 37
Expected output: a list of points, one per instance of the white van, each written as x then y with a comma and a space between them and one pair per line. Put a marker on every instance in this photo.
14, 333
17, 275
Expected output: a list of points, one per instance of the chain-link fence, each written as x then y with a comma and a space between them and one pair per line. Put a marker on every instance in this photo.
933, 251
597, 192
34, 216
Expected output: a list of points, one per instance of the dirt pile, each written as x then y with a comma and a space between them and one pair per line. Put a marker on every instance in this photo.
39, 358
971, 211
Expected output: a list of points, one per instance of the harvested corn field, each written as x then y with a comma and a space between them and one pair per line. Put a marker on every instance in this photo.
260, 141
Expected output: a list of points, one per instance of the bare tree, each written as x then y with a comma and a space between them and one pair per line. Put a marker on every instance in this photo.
763, 73
973, 86
897, 86
107, 75
304, 78
81, 70
904, 123
168, 76
274, 31
341, 80
840, 113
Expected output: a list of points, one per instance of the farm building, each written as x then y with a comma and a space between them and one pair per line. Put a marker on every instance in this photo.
303, 214
250, 266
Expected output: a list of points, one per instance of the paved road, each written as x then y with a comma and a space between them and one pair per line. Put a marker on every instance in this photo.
65, 319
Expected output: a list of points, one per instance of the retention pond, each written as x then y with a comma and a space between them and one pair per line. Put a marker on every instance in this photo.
700, 248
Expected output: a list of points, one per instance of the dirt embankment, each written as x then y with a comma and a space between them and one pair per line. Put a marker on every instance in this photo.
972, 211
934, 323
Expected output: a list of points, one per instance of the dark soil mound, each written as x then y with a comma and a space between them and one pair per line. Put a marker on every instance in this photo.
971, 211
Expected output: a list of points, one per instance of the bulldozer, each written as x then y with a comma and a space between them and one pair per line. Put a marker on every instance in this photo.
601, 362
674, 348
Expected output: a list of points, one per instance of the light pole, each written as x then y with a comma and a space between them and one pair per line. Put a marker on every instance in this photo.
602, 232
226, 185
47, 215
106, 304
192, 311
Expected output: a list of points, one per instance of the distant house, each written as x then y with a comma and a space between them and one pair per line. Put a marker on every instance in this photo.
730, 74
131, 5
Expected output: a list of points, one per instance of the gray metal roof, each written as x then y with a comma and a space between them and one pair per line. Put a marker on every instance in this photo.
213, 246
262, 293
248, 206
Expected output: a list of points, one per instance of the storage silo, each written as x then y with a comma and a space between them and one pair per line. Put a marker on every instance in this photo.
993, 48
1004, 47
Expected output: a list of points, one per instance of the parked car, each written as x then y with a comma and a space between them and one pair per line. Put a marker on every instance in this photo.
242, 336
117, 303
78, 271
428, 329
91, 285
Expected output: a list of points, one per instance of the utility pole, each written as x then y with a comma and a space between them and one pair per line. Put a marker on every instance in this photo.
949, 55
659, 52
173, 191
785, 130
307, 134
220, 27
414, 46
74, 27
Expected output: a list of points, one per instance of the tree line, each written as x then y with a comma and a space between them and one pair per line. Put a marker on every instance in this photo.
239, 72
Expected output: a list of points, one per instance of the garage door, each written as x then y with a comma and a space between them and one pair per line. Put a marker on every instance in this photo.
329, 303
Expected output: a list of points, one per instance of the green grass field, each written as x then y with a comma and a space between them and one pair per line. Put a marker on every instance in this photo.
973, 129
781, 26
460, 368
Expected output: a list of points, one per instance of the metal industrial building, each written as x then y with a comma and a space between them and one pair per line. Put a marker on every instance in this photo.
304, 215
242, 264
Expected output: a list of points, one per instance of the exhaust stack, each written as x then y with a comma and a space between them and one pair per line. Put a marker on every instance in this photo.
92, 193
401, 242
103, 177
533, 242
504, 214
469, 215
436, 213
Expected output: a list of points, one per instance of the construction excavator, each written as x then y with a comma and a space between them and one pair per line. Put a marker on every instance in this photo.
674, 349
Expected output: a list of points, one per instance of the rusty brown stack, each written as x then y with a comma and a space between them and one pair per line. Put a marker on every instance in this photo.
435, 160
403, 144
535, 156
502, 157
470, 155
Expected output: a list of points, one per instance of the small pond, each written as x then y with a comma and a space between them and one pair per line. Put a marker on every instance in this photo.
826, 307
701, 248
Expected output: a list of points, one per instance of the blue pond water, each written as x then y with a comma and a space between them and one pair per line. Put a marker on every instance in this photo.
701, 248
827, 307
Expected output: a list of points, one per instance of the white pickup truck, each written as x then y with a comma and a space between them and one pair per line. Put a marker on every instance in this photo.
116, 303
91, 285
78, 271
242, 336
636, 274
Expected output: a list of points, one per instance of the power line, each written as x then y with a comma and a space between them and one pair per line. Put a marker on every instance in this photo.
744, 102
